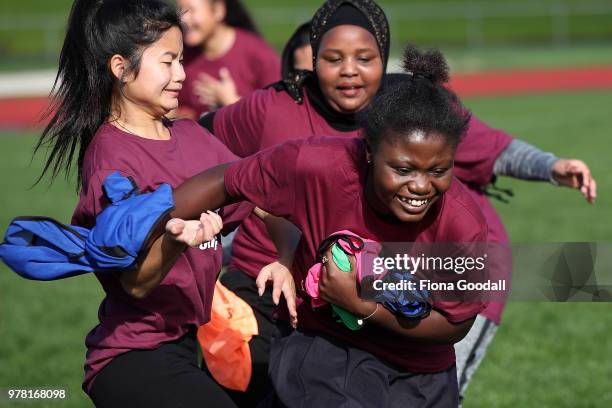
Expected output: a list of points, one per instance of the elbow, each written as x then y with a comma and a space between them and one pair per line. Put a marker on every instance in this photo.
137, 291
461, 330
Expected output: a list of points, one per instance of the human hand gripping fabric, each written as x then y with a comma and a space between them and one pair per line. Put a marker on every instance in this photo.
216, 93
574, 173
195, 232
340, 288
282, 282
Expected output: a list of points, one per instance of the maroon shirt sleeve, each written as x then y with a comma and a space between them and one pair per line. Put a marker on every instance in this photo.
240, 125
462, 222
267, 179
478, 151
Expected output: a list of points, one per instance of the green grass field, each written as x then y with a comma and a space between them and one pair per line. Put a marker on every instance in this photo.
545, 355
36, 43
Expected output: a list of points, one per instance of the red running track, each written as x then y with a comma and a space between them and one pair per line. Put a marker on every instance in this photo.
25, 113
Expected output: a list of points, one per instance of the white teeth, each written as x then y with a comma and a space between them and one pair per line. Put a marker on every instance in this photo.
414, 203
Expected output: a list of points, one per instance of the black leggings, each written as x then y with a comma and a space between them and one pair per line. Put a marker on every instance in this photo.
260, 386
168, 376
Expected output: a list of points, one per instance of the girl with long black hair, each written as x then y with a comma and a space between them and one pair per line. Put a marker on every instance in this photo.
120, 72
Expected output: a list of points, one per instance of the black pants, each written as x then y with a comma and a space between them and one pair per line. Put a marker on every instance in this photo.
167, 377
260, 386
310, 370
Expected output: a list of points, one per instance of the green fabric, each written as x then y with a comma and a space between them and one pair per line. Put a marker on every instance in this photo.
343, 263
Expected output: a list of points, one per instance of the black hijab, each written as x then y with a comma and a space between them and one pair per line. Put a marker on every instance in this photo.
362, 13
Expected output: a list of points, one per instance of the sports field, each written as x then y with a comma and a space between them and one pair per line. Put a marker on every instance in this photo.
545, 355
31, 31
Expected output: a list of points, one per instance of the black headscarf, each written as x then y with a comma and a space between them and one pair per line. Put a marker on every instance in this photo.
362, 13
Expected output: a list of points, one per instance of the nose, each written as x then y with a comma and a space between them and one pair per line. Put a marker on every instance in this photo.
179, 73
349, 67
419, 185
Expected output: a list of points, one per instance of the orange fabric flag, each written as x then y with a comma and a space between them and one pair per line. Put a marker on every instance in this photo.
225, 339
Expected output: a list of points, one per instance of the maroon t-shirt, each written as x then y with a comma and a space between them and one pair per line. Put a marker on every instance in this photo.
318, 184
183, 300
270, 117
252, 64
264, 119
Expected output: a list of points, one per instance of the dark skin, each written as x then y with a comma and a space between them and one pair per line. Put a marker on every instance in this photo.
207, 190
201, 193
349, 68
415, 166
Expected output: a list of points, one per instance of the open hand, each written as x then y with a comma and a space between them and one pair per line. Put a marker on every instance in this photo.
576, 174
216, 93
282, 282
194, 233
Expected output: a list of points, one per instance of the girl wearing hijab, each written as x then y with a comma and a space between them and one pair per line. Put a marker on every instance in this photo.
225, 57
350, 43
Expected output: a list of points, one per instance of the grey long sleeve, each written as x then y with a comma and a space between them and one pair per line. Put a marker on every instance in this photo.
524, 161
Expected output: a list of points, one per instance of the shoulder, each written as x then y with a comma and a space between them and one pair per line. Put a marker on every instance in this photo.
108, 150
330, 156
462, 215
195, 139
270, 99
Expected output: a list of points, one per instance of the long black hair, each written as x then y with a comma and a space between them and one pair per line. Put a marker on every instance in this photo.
238, 16
83, 88
418, 101
299, 39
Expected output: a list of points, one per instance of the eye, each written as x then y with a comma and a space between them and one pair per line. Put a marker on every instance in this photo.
332, 59
364, 59
438, 172
403, 171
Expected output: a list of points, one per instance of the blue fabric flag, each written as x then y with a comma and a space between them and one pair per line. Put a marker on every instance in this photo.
41, 248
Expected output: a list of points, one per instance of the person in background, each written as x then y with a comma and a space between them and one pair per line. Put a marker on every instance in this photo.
225, 56
297, 54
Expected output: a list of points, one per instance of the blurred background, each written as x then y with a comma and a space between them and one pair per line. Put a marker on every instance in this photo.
541, 70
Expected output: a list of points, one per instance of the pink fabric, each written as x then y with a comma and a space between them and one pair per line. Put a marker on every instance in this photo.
311, 283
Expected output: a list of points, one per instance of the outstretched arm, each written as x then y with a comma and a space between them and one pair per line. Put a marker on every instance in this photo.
524, 161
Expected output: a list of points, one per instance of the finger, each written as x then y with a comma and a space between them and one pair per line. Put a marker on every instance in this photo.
592, 192
195, 235
264, 276
216, 220
175, 226
225, 74
204, 77
207, 229
289, 293
277, 287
